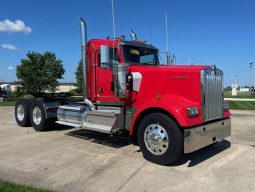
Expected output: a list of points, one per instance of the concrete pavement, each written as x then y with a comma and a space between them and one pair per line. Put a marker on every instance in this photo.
74, 160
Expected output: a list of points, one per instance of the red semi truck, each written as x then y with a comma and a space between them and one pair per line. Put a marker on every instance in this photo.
168, 110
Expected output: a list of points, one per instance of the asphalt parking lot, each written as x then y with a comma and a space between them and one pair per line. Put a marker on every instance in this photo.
75, 160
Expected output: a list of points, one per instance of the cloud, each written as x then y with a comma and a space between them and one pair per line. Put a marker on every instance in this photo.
14, 26
9, 46
10, 68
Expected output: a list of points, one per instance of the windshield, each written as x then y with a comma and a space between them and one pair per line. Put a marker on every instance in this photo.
140, 55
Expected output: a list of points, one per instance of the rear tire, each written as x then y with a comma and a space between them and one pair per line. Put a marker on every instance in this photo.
160, 139
22, 115
38, 118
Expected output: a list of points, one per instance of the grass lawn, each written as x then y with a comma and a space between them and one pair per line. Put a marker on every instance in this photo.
242, 105
8, 103
12, 187
239, 95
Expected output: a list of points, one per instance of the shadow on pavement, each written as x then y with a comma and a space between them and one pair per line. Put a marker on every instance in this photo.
122, 140
202, 154
116, 141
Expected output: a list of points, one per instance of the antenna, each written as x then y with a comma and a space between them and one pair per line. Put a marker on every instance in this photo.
166, 33
189, 62
168, 55
113, 20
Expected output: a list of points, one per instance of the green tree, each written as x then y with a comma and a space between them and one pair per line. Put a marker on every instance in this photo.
39, 73
78, 75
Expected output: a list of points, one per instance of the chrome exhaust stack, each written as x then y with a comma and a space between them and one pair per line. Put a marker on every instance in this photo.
133, 35
84, 63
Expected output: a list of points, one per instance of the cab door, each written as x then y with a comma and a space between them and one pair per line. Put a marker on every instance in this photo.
104, 78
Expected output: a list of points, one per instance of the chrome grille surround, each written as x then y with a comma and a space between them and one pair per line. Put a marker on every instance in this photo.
212, 94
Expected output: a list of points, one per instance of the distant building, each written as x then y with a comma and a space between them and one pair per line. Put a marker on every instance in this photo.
5, 90
63, 87
244, 89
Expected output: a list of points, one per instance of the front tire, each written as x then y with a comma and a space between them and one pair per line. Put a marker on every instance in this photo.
160, 139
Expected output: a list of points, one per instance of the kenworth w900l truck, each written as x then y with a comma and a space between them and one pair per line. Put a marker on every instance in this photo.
168, 110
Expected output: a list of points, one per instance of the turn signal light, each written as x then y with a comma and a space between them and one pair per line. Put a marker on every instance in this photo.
192, 111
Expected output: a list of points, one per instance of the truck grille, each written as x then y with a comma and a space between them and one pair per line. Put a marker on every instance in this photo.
212, 93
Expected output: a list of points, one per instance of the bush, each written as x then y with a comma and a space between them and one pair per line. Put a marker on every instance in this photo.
17, 94
75, 92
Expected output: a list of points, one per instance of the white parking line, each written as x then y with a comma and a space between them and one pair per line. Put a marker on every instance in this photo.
228, 157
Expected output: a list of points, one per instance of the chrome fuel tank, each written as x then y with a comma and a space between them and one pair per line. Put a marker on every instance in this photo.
72, 113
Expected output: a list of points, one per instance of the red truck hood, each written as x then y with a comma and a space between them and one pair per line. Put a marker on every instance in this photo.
180, 85
183, 81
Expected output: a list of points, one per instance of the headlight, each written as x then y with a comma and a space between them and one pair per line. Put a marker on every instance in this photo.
192, 111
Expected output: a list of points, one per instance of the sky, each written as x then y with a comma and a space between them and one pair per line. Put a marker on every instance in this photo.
213, 32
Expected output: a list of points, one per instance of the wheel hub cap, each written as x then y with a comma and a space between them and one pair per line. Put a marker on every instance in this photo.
156, 139
37, 115
20, 112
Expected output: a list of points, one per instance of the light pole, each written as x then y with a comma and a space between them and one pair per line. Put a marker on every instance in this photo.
251, 63
237, 75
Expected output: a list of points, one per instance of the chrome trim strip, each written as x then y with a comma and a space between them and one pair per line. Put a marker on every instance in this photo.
202, 95
88, 126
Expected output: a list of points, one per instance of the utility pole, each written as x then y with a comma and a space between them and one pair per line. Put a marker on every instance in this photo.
237, 76
251, 63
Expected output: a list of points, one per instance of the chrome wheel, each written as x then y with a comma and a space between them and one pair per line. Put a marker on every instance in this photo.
37, 115
156, 139
20, 112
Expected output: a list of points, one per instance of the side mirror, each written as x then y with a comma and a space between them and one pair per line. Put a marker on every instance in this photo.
105, 56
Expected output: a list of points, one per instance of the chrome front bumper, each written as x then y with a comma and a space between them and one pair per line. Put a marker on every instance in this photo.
201, 136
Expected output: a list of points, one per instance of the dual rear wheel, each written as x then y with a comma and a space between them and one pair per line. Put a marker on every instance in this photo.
27, 114
22, 113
